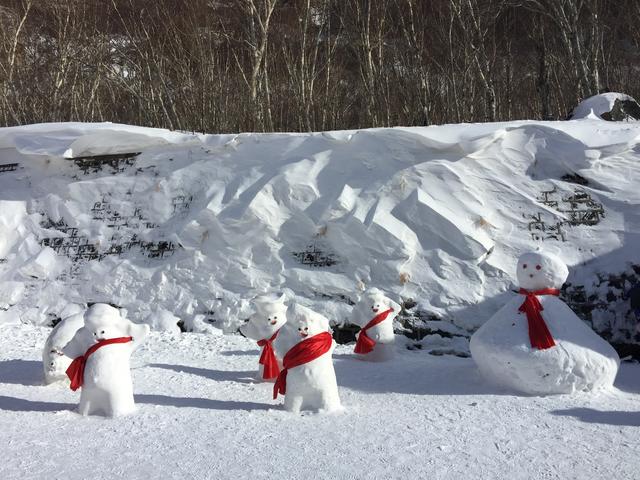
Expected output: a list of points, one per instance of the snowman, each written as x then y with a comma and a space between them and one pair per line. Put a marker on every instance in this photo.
374, 314
536, 344
308, 379
101, 350
264, 327
54, 361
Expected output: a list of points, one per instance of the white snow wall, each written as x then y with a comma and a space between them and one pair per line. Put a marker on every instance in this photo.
197, 224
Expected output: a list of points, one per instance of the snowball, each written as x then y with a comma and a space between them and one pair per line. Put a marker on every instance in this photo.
536, 271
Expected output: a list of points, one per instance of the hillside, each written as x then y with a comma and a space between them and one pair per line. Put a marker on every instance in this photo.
196, 225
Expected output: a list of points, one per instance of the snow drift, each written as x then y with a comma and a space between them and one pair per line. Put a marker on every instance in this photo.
194, 226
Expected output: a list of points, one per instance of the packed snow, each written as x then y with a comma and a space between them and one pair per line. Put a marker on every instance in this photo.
201, 414
192, 232
575, 357
594, 107
196, 226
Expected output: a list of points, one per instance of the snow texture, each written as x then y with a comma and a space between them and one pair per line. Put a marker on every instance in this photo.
201, 414
580, 360
593, 107
199, 224
372, 303
311, 386
107, 388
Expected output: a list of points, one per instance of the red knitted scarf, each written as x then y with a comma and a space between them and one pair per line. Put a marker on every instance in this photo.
301, 353
75, 372
268, 358
539, 333
365, 343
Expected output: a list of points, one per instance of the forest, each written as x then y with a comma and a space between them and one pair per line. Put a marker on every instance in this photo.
310, 65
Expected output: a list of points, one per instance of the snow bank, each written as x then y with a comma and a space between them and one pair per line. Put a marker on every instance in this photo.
197, 225
598, 105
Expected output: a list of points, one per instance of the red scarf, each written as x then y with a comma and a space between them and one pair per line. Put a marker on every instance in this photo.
75, 372
304, 352
365, 343
268, 358
539, 333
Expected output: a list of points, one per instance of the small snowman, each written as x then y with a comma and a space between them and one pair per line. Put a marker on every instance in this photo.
374, 313
101, 350
54, 361
264, 326
536, 344
308, 379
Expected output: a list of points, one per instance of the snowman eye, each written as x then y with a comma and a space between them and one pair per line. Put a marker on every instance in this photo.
102, 332
524, 266
538, 267
275, 318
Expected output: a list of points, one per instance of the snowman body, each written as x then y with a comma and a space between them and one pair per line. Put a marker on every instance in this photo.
54, 361
502, 348
107, 388
313, 385
269, 317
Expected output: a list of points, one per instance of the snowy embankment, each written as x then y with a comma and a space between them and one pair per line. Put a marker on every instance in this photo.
196, 225
201, 415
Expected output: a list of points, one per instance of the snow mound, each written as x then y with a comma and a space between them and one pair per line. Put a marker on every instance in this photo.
608, 106
197, 225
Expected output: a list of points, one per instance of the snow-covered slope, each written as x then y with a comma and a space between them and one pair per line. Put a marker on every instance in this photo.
195, 225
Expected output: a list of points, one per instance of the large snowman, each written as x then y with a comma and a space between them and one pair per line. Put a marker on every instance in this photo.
536, 344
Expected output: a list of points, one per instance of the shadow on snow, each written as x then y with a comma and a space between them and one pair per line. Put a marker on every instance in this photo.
21, 372
13, 404
216, 375
414, 374
204, 403
590, 415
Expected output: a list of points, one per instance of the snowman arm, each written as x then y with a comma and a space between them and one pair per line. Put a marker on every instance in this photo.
396, 307
139, 333
76, 346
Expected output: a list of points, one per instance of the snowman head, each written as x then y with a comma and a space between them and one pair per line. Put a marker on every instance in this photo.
58, 363
308, 323
270, 316
537, 270
102, 321
374, 302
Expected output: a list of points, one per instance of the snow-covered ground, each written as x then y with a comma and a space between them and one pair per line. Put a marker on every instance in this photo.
195, 226
201, 415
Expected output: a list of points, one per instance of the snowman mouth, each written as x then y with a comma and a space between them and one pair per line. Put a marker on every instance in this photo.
273, 322
304, 335
375, 310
